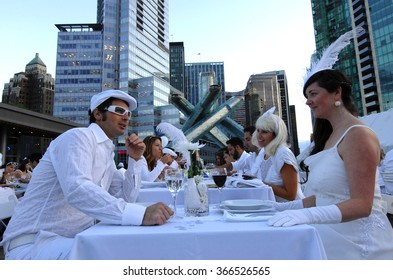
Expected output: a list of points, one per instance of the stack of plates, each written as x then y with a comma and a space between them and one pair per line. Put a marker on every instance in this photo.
246, 206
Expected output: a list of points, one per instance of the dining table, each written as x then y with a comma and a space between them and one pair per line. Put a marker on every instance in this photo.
220, 235
157, 192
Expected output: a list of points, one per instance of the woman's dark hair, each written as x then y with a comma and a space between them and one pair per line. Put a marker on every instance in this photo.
330, 80
149, 141
101, 108
22, 164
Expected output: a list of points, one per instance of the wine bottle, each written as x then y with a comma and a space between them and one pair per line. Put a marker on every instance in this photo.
196, 165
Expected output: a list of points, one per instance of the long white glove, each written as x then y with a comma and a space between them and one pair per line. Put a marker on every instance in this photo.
281, 206
315, 215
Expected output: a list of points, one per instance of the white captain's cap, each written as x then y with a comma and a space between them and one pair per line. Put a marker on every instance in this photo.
169, 151
99, 98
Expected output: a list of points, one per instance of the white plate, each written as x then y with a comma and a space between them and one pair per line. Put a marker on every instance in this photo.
269, 211
245, 204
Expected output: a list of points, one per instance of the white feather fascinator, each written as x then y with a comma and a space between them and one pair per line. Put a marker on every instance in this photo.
179, 140
330, 54
173, 133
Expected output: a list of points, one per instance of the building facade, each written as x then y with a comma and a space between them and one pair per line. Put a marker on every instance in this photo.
129, 42
264, 91
79, 70
198, 78
177, 65
368, 62
32, 89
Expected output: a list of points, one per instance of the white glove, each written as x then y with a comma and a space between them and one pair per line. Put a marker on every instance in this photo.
281, 206
315, 215
290, 205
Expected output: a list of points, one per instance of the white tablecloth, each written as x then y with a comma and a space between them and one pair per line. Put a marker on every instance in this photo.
163, 195
206, 238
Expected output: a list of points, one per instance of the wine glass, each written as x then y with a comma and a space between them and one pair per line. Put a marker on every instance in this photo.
173, 180
219, 175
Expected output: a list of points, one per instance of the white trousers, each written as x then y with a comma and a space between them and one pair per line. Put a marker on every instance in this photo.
47, 246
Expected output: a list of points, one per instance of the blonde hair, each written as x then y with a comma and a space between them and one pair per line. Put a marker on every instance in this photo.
272, 123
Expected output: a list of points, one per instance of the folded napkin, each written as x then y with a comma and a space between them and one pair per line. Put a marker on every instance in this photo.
238, 182
147, 185
247, 217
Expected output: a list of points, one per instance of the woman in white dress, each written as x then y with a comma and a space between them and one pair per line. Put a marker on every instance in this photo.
278, 166
343, 199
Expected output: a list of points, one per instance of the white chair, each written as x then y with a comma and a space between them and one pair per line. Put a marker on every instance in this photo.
7, 206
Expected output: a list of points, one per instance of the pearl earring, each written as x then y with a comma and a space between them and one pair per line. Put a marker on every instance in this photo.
337, 103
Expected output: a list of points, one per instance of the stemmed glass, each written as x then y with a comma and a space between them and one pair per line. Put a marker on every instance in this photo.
173, 180
219, 175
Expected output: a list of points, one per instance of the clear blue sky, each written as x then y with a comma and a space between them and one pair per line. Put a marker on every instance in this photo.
249, 36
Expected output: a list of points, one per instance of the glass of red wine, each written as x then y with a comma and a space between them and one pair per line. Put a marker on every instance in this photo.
219, 175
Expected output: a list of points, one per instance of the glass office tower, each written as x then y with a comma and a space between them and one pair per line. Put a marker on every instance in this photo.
78, 70
199, 75
368, 61
128, 42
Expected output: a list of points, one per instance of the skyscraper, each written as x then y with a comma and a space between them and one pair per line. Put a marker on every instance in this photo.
31, 89
368, 61
199, 76
264, 91
177, 62
128, 42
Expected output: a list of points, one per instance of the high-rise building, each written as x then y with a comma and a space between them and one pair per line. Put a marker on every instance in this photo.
31, 89
79, 70
199, 76
264, 91
369, 60
128, 42
176, 65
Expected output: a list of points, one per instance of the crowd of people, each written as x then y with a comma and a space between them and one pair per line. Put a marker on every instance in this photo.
340, 196
13, 173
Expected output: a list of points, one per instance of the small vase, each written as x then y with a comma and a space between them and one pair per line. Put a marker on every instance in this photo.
196, 202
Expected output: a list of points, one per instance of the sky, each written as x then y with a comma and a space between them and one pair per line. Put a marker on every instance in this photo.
249, 36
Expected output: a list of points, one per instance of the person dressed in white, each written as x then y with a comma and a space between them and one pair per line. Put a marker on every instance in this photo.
154, 162
172, 163
236, 151
343, 200
386, 170
121, 168
76, 183
279, 166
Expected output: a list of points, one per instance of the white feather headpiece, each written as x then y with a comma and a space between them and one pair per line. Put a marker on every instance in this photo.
330, 54
172, 132
179, 140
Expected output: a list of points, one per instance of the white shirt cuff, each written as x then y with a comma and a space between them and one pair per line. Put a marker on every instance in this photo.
133, 214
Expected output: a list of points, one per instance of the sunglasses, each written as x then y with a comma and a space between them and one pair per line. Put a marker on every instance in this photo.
11, 163
118, 110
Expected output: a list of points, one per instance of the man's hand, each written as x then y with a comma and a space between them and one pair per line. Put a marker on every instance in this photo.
135, 146
157, 214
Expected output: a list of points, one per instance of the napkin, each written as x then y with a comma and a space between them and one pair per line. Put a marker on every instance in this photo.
247, 217
238, 182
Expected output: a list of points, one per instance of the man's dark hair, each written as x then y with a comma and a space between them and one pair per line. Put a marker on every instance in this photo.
250, 129
35, 157
236, 141
101, 108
